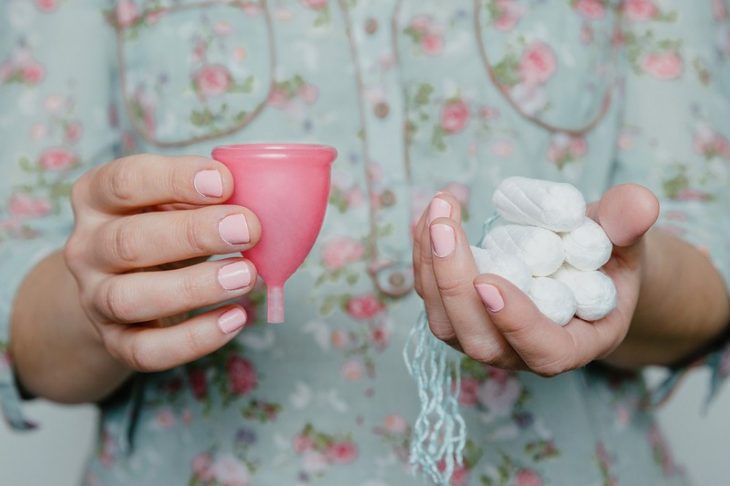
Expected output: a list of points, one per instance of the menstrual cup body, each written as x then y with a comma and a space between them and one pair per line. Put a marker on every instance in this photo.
287, 187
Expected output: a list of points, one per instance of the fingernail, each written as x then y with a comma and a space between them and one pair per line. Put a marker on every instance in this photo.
209, 183
234, 276
232, 320
438, 209
491, 297
443, 239
234, 229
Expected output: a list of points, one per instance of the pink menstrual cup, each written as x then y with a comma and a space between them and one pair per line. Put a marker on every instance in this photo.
287, 186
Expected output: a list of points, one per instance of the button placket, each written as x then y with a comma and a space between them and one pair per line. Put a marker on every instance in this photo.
383, 118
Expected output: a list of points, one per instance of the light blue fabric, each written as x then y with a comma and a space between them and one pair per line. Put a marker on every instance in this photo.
417, 96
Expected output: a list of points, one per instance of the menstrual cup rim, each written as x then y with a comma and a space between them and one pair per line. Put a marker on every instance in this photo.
320, 153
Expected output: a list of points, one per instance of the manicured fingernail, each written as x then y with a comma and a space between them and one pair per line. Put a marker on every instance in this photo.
491, 297
234, 276
443, 239
234, 229
209, 183
232, 320
438, 209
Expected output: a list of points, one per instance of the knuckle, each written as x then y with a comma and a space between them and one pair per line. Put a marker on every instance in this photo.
551, 368
114, 302
193, 235
441, 329
192, 288
479, 351
139, 356
120, 180
73, 253
453, 287
123, 244
194, 340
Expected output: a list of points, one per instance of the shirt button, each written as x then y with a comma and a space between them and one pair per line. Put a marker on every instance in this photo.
381, 109
394, 279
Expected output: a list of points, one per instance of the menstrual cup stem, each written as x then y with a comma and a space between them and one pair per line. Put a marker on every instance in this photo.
275, 305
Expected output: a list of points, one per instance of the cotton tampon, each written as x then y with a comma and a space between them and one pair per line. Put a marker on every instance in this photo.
508, 267
553, 298
552, 205
587, 247
594, 292
540, 249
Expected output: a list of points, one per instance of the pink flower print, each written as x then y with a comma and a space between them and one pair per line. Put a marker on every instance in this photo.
309, 93
719, 10
72, 132
241, 375
460, 476
509, 13
278, 98
537, 64
55, 104
302, 443
341, 452
432, 43
38, 131
489, 112
468, 395
165, 418
153, 17
32, 72
57, 159
420, 23
454, 116
202, 467
530, 97
499, 398
46, 5
341, 251
380, 336
127, 12
339, 339
23, 205
527, 477
314, 463
640, 10
363, 307
212, 80
503, 148
315, 4
590, 9
354, 197
228, 470
395, 424
663, 65
710, 143
586, 34
198, 383
352, 369
222, 28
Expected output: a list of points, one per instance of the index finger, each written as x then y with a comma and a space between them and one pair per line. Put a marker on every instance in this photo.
145, 180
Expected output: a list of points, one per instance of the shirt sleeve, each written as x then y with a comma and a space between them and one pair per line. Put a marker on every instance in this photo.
674, 137
56, 81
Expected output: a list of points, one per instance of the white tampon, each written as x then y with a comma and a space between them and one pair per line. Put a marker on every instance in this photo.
555, 206
587, 247
554, 299
508, 267
540, 249
595, 293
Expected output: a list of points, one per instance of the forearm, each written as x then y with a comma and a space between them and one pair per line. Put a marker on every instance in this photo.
683, 304
56, 351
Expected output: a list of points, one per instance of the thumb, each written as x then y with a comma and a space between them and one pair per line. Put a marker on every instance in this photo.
626, 212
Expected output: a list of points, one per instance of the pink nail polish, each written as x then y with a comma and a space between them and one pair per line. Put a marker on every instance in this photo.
232, 320
443, 239
490, 296
438, 209
234, 276
208, 183
234, 229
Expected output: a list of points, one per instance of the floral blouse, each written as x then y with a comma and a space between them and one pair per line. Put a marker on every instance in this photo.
417, 96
